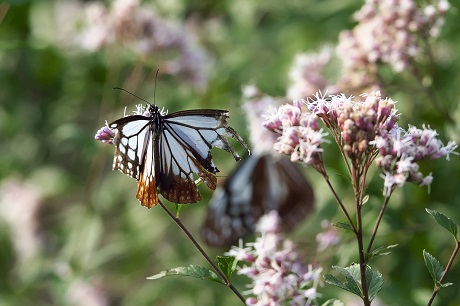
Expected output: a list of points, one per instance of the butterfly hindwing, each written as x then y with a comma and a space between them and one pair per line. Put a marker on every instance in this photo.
147, 184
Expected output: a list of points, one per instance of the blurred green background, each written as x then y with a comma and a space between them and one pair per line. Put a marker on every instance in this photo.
72, 231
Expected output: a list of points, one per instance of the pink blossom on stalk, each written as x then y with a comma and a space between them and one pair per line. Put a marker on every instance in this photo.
278, 276
388, 32
400, 151
355, 123
147, 34
306, 76
105, 134
299, 134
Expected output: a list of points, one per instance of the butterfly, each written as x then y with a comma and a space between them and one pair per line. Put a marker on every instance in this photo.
164, 151
260, 183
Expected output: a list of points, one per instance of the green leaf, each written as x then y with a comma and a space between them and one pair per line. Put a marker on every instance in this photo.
333, 302
350, 284
192, 270
352, 281
227, 264
365, 199
374, 281
343, 225
433, 266
381, 251
445, 285
444, 221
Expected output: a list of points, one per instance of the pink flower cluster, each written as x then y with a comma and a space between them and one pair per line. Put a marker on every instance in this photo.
147, 34
105, 134
278, 276
300, 135
354, 124
363, 128
306, 76
401, 150
388, 32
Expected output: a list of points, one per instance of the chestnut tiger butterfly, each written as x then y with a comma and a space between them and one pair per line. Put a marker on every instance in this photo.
164, 151
259, 184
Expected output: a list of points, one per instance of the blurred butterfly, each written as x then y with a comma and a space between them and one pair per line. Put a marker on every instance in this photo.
163, 151
260, 183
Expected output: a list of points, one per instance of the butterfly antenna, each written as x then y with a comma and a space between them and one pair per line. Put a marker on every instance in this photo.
119, 88
155, 88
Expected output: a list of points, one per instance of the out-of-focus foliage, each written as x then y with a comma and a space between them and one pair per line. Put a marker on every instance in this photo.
71, 230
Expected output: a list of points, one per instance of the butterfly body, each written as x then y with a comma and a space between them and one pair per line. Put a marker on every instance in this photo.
164, 151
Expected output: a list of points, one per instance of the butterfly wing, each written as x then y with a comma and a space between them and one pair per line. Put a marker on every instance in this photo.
131, 142
259, 184
185, 148
135, 155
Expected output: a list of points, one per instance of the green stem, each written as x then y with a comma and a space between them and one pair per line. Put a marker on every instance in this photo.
208, 259
377, 223
449, 265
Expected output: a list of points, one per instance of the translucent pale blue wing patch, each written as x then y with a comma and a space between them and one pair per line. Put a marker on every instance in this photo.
131, 141
176, 168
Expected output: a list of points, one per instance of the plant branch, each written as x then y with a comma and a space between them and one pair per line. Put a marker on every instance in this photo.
449, 265
208, 259
377, 222
344, 210
358, 188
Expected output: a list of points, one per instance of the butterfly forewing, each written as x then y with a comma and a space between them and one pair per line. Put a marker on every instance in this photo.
131, 143
205, 126
259, 184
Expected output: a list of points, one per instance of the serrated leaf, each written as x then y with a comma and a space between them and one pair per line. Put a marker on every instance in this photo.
226, 264
374, 280
444, 221
331, 280
343, 225
333, 302
192, 270
350, 284
434, 267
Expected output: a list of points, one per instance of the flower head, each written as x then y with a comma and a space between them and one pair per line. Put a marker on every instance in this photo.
388, 32
400, 151
147, 34
278, 276
105, 134
299, 134
306, 76
355, 123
